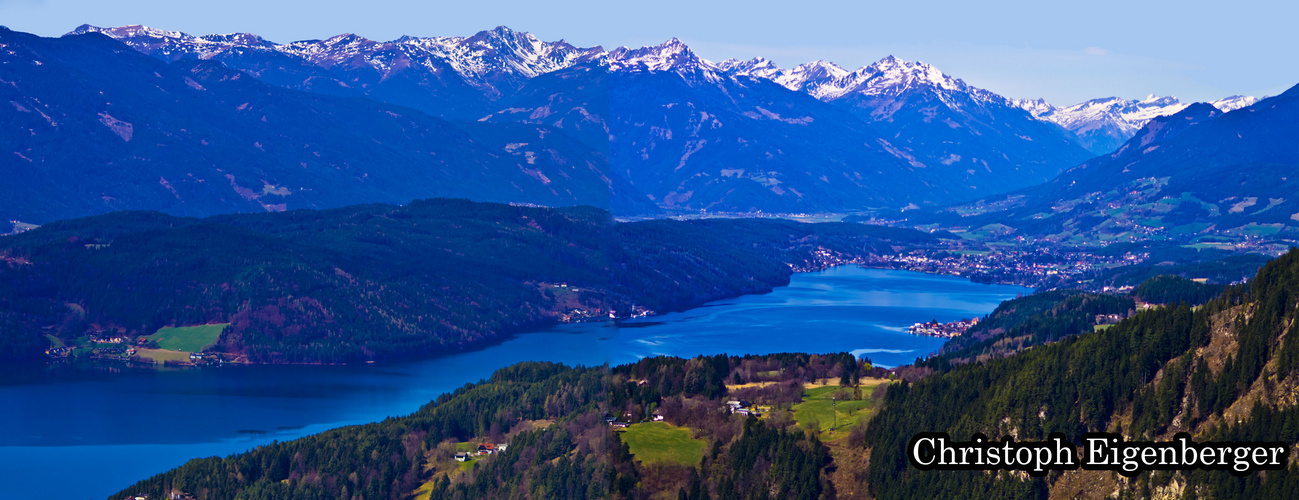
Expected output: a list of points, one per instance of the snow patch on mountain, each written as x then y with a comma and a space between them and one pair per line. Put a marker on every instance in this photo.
758, 67
1099, 123
1127, 114
1234, 102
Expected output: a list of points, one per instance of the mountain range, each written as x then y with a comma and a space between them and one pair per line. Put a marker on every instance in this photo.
416, 71
779, 151
226, 123
450, 77
975, 137
93, 126
1199, 173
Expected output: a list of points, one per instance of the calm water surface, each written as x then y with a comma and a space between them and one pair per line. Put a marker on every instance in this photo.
89, 434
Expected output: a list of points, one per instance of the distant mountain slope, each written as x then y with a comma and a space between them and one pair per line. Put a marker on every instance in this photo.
1197, 172
695, 138
963, 142
970, 136
94, 126
1102, 125
684, 133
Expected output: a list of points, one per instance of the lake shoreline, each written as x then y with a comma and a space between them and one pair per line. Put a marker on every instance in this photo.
103, 420
502, 338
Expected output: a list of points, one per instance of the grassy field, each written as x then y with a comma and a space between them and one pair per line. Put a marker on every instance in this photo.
425, 491
188, 338
446, 468
817, 406
162, 355
55, 342
1213, 245
663, 442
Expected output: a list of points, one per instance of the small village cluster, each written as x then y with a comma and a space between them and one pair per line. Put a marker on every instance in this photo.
735, 406
626, 419
482, 450
107, 345
943, 330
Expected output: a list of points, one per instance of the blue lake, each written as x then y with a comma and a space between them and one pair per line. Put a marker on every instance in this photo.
89, 434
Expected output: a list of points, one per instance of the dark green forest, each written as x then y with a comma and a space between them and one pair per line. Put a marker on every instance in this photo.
1144, 377
1050, 316
1170, 289
576, 455
381, 281
1033, 320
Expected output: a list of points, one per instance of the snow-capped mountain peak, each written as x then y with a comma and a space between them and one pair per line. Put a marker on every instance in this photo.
239, 39
895, 75
1036, 107
827, 81
346, 39
672, 55
1234, 102
167, 44
817, 78
899, 69
1103, 124
484, 59
758, 67
129, 31
501, 51
824, 70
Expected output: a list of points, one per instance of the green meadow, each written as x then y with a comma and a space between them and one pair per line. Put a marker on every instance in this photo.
187, 338
160, 356
819, 407
662, 442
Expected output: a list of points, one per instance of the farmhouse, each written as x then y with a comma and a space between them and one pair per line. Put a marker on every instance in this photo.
736, 404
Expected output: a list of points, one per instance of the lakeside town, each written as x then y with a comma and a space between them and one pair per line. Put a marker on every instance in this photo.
943, 330
1039, 268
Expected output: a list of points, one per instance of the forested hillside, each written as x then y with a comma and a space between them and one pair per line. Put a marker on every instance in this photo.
1046, 317
1034, 320
1224, 371
559, 445
1195, 176
1169, 289
381, 281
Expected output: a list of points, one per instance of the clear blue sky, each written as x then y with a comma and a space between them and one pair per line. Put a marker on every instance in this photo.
1065, 52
